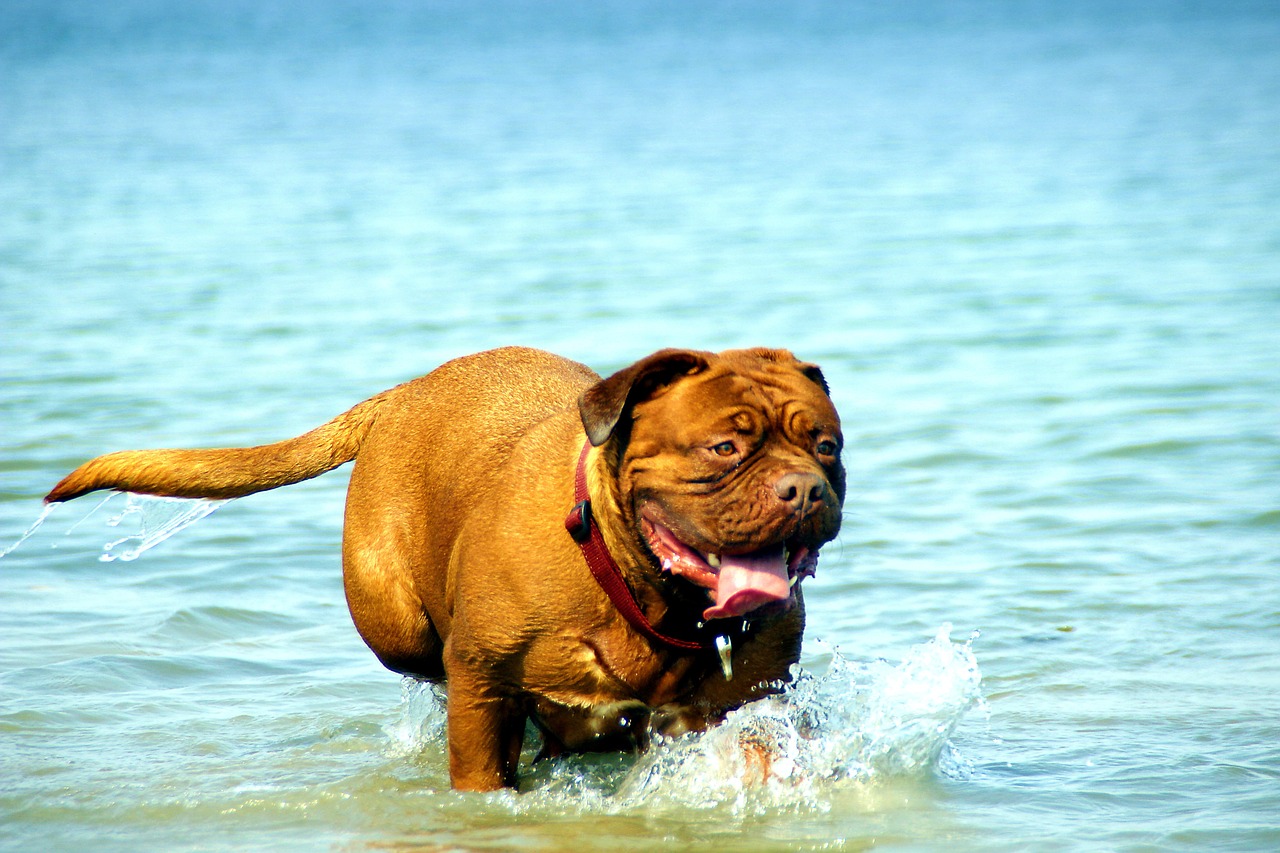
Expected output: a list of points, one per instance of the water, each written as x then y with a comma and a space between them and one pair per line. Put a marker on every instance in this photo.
1033, 246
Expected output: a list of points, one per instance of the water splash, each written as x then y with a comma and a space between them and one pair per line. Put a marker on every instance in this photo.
854, 723
422, 717
48, 511
155, 518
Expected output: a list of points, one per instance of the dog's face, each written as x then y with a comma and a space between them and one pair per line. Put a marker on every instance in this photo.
731, 466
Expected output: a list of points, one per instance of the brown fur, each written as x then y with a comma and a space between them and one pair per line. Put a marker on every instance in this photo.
456, 560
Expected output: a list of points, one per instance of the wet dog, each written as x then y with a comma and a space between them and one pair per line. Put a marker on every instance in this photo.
610, 558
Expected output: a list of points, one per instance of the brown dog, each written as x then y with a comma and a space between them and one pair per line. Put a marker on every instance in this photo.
609, 558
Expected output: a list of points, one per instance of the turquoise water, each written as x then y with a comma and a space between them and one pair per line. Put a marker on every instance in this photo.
1034, 247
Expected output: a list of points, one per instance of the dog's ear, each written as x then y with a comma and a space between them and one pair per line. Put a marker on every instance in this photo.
815, 373
603, 404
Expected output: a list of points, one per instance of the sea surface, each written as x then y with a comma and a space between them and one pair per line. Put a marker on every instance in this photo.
1035, 246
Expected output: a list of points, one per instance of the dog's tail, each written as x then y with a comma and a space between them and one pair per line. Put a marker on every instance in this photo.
228, 473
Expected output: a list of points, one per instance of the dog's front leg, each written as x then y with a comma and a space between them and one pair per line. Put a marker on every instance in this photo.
486, 732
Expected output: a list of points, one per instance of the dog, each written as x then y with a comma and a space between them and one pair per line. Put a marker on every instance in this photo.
614, 559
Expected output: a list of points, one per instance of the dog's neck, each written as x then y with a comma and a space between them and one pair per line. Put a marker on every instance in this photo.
605, 569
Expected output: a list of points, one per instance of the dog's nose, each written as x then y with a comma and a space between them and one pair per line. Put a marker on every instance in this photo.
800, 490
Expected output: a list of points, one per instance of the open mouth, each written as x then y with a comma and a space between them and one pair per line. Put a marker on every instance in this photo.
738, 584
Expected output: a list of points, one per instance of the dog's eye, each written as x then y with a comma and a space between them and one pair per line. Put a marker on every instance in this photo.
827, 448
725, 448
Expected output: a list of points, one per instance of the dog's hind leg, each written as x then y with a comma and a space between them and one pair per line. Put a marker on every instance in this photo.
385, 606
388, 614
381, 557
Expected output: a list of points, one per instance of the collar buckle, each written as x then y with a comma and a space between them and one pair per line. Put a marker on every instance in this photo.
578, 521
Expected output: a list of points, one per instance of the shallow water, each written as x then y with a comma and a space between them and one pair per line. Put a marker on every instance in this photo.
1032, 246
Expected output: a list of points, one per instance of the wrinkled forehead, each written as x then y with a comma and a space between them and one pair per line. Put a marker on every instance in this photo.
723, 399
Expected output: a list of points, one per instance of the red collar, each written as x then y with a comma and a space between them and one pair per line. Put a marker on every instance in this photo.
605, 570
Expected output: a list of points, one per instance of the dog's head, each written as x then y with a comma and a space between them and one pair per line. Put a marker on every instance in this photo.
728, 466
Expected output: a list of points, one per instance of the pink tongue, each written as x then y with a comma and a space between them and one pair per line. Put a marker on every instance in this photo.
748, 581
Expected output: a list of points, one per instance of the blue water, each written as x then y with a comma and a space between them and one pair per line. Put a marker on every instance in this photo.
1034, 246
